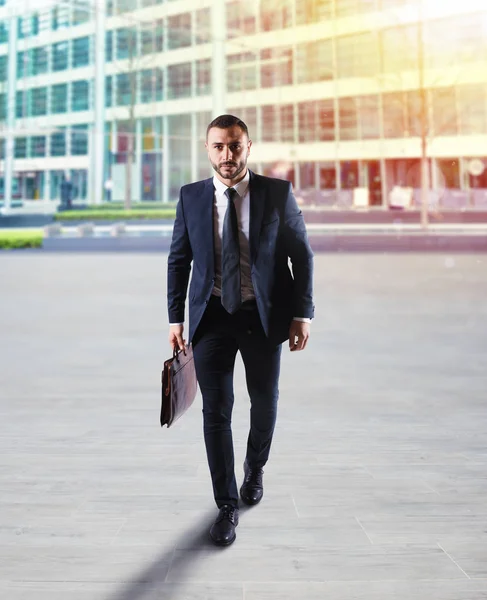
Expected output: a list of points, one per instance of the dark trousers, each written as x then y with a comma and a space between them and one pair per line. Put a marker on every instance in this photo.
215, 345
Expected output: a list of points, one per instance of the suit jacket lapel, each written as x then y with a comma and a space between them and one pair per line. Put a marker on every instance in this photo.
206, 223
257, 205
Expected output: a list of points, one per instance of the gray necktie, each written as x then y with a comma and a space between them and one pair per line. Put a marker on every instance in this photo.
231, 287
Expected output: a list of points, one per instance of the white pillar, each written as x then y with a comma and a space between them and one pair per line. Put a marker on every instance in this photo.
98, 137
194, 147
218, 73
137, 169
11, 85
165, 159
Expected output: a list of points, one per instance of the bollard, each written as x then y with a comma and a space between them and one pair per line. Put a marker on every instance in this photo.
85, 230
53, 230
118, 230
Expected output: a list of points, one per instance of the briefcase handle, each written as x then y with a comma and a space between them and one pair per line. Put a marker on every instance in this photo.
175, 356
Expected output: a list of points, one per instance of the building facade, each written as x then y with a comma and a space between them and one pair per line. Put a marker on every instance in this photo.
332, 92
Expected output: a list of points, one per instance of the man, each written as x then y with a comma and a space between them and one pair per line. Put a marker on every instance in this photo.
239, 230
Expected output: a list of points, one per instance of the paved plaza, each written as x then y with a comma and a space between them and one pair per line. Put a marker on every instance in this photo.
377, 484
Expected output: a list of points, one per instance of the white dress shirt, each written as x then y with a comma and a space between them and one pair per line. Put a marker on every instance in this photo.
242, 206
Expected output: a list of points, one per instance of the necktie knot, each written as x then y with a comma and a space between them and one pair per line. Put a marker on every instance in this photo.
230, 193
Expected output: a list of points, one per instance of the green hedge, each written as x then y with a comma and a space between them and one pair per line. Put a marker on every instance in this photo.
11, 240
115, 215
149, 206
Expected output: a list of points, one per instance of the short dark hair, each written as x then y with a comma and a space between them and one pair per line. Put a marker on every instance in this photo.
227, 121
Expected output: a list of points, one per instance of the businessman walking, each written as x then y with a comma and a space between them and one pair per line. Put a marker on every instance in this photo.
238, 231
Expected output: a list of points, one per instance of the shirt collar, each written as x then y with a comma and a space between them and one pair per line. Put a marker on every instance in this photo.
241, 186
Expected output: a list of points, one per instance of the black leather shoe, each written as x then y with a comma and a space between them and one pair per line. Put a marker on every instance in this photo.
222, 531
252, 488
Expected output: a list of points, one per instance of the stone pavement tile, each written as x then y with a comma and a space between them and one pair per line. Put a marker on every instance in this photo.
471, 557
125, 591
452, 589
82, 563
365, 562
426, 529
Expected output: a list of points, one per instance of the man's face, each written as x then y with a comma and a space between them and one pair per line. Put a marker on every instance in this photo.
228, 151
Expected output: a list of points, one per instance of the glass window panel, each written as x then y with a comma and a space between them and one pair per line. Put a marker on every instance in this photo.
368, 115
109, 46
395, 122
58, 143
179, 80
3, 107
80, 96
241, 18
444, 111
39, 61
203, 25
179, 31
413, 106
307, 121
159, 36
147, 41
348, 118
286, 124
38, 146
81, 12
79, 140
59, 98
81, 52
159, 84
38, 102
124, 6
108, 91
313, 11
357, 55
20, 147
350, 8
314, 61
60, 56
126, 43
276, 67
472, 107
20, 104
276, 14
3, 33
242, 72
147, 85
60, 17
203, 77
325, 120
124, 92
400, 49
21, 64
3, 68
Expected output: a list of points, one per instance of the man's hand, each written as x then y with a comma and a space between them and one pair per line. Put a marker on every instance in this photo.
176, 340
298, 335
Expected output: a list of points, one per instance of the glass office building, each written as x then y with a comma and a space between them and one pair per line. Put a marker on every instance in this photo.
331, 91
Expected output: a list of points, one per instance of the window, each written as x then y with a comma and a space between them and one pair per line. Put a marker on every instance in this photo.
39, 61
109, 46
347, 109
368, 117
413, 106
325, 120
179, 31
314, 61
472, 109
350, 8
203, 24
279, 123
20, 104
38, 102
179, 80
147, 41
20, 147
126, 43
151, 82
81, 14
395, 122
444, 111
400, 49
124, 6
242, 72
58, 143
38, 146
59, 98
60, 17
357, 55
81, 52
124, 94
313, 11
159, 36
276, 15
3, 33
80, 93
21, 64
203, 77
241, 19
108, 91
60, 56
3, 107
276, 67
79, 140
3, 68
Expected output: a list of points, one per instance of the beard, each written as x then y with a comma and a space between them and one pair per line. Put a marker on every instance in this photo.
229, 173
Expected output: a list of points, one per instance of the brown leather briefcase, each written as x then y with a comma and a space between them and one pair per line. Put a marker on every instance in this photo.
179, 386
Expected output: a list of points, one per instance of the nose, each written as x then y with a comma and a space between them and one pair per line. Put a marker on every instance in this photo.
227, 153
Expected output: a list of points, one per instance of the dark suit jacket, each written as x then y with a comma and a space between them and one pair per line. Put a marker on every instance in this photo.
277, 233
